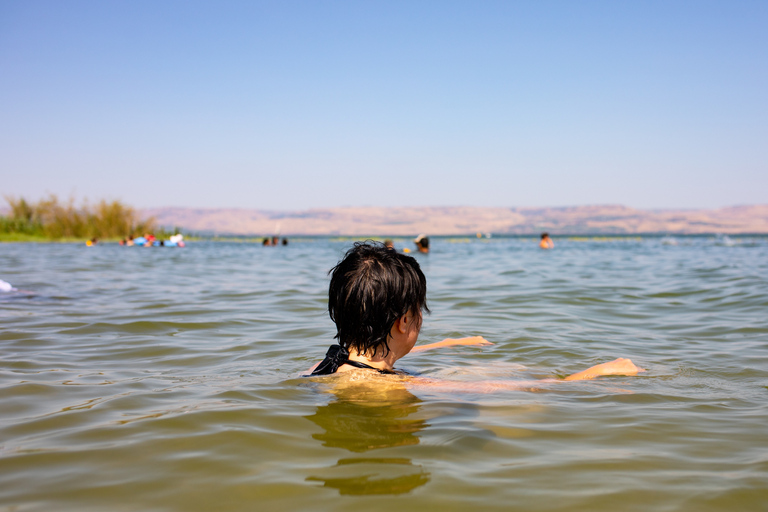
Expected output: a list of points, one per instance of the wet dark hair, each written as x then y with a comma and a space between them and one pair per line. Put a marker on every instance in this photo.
371, 287
544, 235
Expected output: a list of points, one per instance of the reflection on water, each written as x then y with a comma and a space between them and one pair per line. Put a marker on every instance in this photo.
374, 476
364, 417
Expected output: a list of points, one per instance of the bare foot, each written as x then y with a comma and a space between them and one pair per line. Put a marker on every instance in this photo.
620, 366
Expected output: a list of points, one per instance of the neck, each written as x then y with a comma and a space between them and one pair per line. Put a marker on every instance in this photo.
377, 360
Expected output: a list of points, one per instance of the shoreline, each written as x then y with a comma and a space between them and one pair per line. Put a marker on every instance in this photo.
450, 238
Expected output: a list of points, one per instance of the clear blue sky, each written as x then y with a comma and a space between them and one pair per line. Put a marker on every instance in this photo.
303, 104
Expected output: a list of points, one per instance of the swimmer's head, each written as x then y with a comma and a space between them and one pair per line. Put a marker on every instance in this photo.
544, 235
370, 289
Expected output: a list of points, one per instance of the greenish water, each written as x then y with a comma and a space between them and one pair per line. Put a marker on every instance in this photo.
170, 379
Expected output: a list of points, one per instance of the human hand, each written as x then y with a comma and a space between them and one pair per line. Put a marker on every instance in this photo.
471, 340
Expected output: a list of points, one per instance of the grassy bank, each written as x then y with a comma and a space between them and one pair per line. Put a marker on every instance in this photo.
52, 220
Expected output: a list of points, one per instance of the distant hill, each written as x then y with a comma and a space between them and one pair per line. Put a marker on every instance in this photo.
454, 220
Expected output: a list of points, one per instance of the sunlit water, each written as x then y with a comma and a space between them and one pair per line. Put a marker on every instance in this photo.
170, 379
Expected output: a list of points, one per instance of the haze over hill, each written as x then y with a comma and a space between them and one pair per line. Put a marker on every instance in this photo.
362, 221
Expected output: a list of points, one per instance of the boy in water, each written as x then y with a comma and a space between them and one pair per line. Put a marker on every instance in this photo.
376, 298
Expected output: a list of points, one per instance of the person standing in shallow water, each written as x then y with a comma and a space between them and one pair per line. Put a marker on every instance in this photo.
422, 243
376, 299
546, 242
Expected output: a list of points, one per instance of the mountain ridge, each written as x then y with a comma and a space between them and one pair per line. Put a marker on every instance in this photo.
458, 220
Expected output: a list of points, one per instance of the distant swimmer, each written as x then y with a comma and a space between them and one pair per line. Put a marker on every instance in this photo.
6, 287
389, 244
422, 243
176, 240
546, 242
148, 240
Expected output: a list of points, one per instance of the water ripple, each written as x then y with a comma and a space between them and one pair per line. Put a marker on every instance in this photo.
168, 380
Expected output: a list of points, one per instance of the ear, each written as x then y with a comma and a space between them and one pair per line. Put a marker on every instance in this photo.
401, 324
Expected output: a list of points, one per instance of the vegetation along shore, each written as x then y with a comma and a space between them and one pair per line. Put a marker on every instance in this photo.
53, 220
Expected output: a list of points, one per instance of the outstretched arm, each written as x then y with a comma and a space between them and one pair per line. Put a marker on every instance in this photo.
448, 342
620, 366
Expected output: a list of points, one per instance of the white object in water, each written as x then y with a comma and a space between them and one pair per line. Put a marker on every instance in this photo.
668, 240
6, 287
726, 240
177, 238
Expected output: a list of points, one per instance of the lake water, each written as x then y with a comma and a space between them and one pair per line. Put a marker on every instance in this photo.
170, 380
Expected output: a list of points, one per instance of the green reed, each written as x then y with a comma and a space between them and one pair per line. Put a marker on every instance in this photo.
52, 219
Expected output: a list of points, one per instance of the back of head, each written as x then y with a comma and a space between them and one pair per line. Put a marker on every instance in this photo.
370, 289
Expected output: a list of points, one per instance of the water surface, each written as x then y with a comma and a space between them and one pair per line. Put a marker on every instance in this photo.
170, 379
